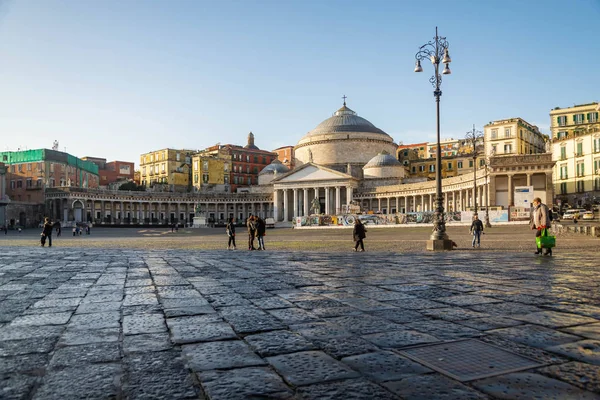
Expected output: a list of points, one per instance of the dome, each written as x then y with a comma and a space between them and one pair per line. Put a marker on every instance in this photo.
275, 167
344, 120
383, 159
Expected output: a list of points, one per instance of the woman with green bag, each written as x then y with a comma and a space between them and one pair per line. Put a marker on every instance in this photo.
540, 221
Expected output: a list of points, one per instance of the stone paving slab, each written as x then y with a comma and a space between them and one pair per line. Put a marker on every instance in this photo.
87, 323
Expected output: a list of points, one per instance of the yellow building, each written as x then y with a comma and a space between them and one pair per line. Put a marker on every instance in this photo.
166, 166
576, 150
451, 166
211, 171
513, 136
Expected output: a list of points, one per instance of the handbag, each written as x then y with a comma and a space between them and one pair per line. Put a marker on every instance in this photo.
544, 240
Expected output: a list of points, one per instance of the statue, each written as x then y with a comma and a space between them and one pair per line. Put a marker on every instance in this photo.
315, 206
310, 156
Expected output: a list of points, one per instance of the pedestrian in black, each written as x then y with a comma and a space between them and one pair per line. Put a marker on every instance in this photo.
230, 229
47, 233
260, 232
358, 234
476, 230
251, 232
58, 228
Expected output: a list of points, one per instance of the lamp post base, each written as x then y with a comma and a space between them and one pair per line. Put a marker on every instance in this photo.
439, 244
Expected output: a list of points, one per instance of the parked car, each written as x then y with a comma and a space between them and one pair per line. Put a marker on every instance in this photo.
587, 215
573, 213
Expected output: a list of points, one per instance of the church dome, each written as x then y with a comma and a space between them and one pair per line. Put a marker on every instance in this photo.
275, 167
383, 159
344, 120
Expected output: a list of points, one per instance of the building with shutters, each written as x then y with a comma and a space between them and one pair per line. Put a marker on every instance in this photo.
576, 151
513, 136
169, 167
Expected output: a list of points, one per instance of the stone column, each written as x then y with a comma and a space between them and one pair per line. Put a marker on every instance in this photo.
529, 179
510, 191
338, 200
549, 189
295, 202
276, 205
327, 205
379, 204
348, 194
423, 203
285, 205
305, 201
414, 203
445, 201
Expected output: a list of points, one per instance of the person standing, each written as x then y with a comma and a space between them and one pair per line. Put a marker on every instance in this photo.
251, 232
260, 232
46, 233
231, 234
58, 228
358, 234
476, 230
540, 220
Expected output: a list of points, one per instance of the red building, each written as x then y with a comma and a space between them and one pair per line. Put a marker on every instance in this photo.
112, 171
285, 154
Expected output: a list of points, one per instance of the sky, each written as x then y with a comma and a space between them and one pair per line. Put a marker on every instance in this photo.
115, 79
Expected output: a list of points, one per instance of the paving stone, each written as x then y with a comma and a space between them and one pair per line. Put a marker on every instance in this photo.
139, 282
320, 330
170, 280
23, 363
584, 350
433, 386
278, 342
81, 382
328, 312
541, 356
529, 386
401, 338
384, 366
102, 297
17, 386
352, 389
534, 335
145, 343
400, 316
590, 331
177, 292
486, 324
220, 355
585, 376
100, 320
71, 302
292, 315
452, 314
319, 303
443, 330
554, 319
364, 324
140, 299
191, 332
227, 300
310, 367
143, 323
88, 308
85, 354
27, 346
252, 322
467, 300
244, 383
416, 304
72, 337
271, 303
188, 311
182, 303
505, 309
142, 309
42, 319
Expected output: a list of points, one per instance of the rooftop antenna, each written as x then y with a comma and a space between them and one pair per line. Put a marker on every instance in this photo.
55, 145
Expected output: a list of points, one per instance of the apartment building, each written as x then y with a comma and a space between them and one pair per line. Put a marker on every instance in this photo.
285, 154
211, 170
576, 151
513, 136
113, 171
168, 167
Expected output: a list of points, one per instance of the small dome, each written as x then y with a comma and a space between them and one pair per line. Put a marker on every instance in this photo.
383, 159
275, 166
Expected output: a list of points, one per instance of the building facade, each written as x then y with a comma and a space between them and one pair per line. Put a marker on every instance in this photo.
247, 162
576, 151
114, 171
211, 171
4, 200
513, 136
169, 167
286, 155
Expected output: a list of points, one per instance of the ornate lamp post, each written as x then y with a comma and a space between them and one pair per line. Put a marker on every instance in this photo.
436, 51
473, 137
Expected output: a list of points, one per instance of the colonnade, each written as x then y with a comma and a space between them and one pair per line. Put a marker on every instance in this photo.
294, 202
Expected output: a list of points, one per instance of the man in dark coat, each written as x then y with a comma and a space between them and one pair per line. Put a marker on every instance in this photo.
251, 232
476, 230
358, 234
260, 232
47, 233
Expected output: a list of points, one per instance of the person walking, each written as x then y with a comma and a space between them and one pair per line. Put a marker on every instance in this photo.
230, 229
251, 232
540, 220
358, 234
46, 233
58, 228
260, 232
476, 230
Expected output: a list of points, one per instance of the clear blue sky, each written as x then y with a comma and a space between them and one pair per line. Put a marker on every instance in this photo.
115, 79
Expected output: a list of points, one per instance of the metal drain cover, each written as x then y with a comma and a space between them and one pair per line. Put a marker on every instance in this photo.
470, 359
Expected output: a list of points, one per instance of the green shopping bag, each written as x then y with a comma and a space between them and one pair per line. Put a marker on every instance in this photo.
545, 241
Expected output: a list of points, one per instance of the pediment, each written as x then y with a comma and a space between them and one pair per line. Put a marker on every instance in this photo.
311, 172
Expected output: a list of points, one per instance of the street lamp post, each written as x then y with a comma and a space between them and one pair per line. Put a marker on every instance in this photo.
436, 51
473, 137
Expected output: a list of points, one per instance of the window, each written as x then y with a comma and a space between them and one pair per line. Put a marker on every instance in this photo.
235, 180
20, 167
255, 170
449, 166
563, 152
226, 167
563, 188
494, 149
507, 148
561, 135
247, 158
256, 159
579, 151
596, 141
460, 164
421, 168
592, 117
247, 169
38, 184
405, 153
470, 163
178, 156
162, 168
580, 169
195, 178
521, 133
29, 167
205, 165
564, 174
414, 169
580, 186
578, 118
249, 181
29, 182
195, 165
19, 184
562, 120
226, 179
507, 132
481, 162
12, 168
597, 166
265, 159
432, 168
204, 178
52, 182
13, 184
494, 133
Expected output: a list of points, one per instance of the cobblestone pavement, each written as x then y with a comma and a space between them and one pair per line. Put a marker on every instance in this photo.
181, 324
